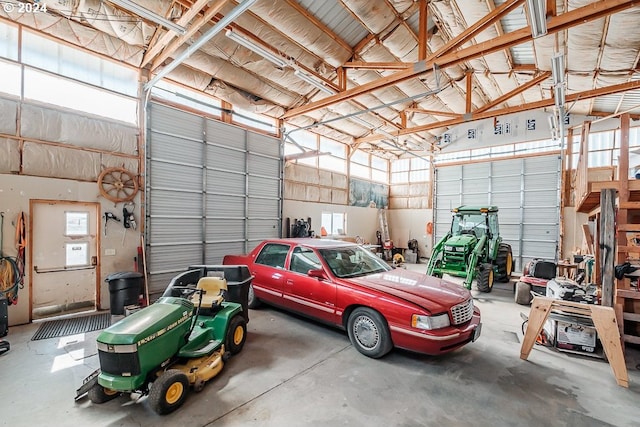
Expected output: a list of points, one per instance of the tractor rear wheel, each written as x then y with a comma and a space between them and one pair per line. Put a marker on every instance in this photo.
523, 293
504, 262
98, 394
168, 391
236, 334
485, 278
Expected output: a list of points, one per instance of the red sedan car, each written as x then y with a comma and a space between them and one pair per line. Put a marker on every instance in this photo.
346, 285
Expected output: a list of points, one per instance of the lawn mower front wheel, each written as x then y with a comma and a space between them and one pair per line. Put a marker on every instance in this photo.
169, 391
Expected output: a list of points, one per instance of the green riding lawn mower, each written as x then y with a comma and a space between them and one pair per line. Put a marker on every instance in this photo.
179, 342
473, 249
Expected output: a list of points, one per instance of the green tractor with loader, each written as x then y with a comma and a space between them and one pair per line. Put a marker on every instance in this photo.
473, 249
179, 342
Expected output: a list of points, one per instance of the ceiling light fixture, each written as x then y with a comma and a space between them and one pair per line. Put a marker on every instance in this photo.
313, 82
265, 53
219, 26
151, 16
559, 95
537, 17
557, 68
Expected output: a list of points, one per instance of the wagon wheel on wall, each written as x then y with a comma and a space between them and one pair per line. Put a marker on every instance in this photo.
117, 185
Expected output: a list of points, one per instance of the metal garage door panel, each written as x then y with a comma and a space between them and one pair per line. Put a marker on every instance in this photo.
225, 134
224, 206
225, 158
449, 173
475, 199
175, 149
541, 181
261, 165
224, 229
263, 208
449, 191
541, 232
175, 122
531, 250
263, 186
170, 260
510, 215
167, 175
542, 197
541, 215
476, 171
217, 251
537, 164
175, 230
506, 184
175, 203
505, 201
257, 143
260, 229
224, 182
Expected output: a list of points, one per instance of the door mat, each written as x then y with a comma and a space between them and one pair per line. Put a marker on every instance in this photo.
72, 326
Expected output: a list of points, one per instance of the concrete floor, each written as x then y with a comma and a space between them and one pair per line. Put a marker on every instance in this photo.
295, 372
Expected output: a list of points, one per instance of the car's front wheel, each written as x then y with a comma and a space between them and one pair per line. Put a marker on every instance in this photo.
369, 333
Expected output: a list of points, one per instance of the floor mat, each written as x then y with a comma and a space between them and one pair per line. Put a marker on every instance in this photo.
71, 326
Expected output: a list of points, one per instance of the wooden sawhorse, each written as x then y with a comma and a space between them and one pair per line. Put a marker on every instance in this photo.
603, 318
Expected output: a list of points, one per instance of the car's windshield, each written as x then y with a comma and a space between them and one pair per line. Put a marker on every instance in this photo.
353, 261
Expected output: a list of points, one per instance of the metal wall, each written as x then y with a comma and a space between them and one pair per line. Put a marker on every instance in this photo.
211, 189
526, 191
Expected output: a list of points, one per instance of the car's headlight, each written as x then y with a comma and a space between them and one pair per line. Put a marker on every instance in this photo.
430, 322
450, 248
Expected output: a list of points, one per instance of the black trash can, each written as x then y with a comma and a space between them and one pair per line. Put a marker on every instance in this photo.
124, 290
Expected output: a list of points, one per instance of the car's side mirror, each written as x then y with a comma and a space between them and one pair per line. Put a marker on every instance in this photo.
318, 274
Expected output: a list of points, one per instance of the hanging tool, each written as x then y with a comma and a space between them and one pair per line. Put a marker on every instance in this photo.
109, 216
129, 219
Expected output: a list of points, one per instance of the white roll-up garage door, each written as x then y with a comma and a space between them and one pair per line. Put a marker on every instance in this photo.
526, 191
212, 189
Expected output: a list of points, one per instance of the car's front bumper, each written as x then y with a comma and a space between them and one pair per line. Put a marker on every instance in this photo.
438, 341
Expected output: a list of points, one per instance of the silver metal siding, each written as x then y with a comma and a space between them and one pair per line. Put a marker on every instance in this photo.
212, 189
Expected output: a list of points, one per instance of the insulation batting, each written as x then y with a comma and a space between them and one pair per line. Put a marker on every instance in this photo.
291, 22
60, 162
339, 197
8, 116
9, 156
324, 178
312, 194
325, 195
64, 127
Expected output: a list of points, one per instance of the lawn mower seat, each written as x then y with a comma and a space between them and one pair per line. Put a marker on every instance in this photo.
215, 292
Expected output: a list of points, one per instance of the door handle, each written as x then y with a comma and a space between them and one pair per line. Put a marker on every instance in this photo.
289, 282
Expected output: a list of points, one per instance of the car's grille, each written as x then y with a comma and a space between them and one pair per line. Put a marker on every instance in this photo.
462, 313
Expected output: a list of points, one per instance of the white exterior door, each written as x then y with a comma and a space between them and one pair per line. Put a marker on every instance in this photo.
64, 261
